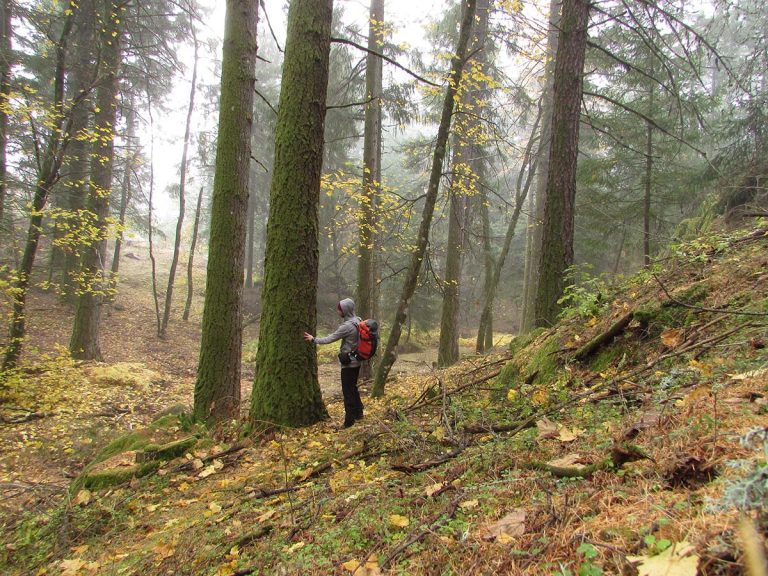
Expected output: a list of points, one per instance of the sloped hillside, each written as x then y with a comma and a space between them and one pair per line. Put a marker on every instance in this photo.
629, 439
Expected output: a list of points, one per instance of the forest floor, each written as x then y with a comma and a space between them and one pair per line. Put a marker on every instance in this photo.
628, 439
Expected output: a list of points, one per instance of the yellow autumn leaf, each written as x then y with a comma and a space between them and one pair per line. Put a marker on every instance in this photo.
71, 567
672, 337
83, 498
677, 560
351, 565
511, 395
468, 504
398, 520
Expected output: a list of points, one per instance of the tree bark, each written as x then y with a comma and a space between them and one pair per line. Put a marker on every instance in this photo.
250, 240
465, 170
557, 231
84, 343
536, 218
285, 387
182, 192
409, 286
190, 262
484, 339
217, 390
49, 162
75, 192
6, 34
366, 274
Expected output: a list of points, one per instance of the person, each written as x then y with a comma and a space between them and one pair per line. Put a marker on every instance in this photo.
350, 367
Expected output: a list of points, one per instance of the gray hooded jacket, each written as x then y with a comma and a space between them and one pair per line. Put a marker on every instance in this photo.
346, 332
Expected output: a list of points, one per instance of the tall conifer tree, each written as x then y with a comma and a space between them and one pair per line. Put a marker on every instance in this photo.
285, 387
217, 390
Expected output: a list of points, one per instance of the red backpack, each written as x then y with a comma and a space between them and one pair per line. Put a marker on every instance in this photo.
367, 339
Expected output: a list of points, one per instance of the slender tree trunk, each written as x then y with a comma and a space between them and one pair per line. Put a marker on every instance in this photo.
6, 34
524, 180
409, 286
463, 186
285, 386
150, 218
557, 232
84, 343
217, 390
190, 262
484, 339
49, 163
536, 219
182, 194
132, 153
366, 277
648, 177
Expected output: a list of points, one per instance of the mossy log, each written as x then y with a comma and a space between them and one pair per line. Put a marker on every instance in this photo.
603, 338
620, 455
115, 476
167, 451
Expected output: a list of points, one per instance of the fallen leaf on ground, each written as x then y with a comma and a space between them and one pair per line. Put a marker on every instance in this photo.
547, 428
568, 461
510, 525
677, 560
433, 489
467, 504
399, 521
672, 337
83, 498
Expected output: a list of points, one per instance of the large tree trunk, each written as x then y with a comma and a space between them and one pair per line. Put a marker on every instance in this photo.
366, 275
6, 33
463, 186
285, 387
49, 162
126, 192
217, 390
536, 216
182, 192
557, 233
409, 286
75, 191
84, 343
190, 262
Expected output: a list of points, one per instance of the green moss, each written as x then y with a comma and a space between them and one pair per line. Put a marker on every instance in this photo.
607, 356
535, 363
115, 476
167, 451
126, 443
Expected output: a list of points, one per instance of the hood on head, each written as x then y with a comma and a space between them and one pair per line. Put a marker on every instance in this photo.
347, 307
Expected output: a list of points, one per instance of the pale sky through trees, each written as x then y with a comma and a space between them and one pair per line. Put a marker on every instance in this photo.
407, 18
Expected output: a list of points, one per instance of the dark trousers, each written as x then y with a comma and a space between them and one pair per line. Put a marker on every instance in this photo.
353, 406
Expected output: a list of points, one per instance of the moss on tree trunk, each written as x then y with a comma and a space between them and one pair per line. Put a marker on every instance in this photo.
217, 389
84, 343
557, 232
285, 388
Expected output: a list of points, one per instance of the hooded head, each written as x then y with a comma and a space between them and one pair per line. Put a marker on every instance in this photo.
346, 307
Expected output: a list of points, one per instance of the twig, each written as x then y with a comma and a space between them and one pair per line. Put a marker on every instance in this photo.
417, 535
702, 308
26, 418
411, 468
